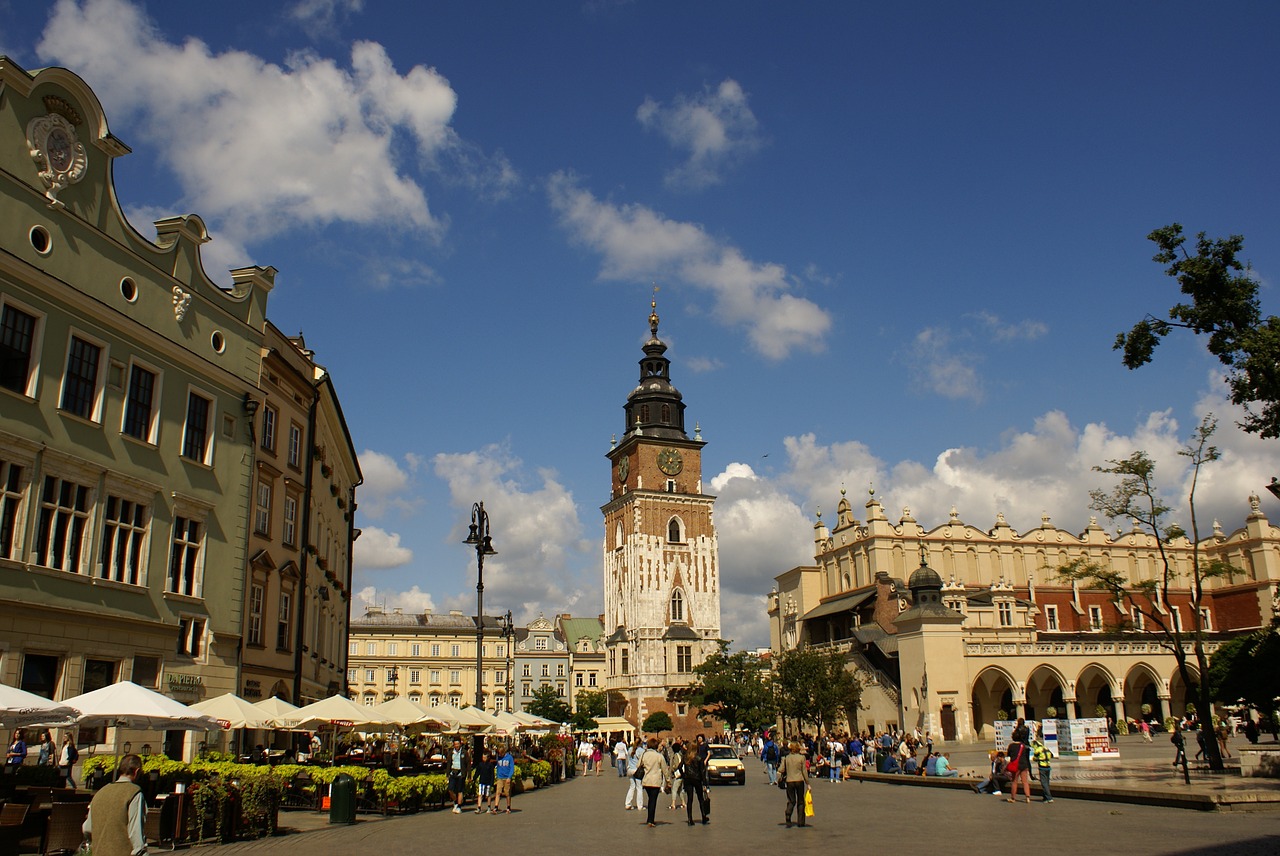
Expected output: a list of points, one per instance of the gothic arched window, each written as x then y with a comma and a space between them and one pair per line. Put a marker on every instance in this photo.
666, 414
673, 531
677, 605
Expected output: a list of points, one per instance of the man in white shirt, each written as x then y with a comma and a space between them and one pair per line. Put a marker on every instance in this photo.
620, 757
118, 813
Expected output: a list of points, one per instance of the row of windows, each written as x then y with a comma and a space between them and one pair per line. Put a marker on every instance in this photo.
262, 513
64, 523
436, 700
270, 421
415, 649
684, 660
284, 618
84, 378
392, 675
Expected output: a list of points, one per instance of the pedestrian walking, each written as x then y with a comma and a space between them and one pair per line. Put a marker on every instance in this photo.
459, 766
504, 772
635, 790
1019, 763
692, 776
654, 777
794, 776
486, 773
117, 816
620, 752
67, 760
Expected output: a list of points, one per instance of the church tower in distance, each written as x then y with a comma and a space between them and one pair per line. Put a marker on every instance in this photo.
661, 560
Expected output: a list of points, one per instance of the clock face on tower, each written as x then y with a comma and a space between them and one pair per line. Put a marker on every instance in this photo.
670, 462
624, 469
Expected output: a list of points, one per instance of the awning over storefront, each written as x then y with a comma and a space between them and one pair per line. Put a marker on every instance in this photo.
839, 604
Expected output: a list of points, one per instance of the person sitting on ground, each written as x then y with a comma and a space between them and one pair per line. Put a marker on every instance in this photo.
931, 764
942, 767
891, 765
998, 780
911, 767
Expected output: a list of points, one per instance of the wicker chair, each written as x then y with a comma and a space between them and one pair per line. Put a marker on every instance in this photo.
64, 833
12, 816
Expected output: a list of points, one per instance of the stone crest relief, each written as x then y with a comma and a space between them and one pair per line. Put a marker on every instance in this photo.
60, 156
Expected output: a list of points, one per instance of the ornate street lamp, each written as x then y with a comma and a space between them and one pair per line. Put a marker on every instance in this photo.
479, 537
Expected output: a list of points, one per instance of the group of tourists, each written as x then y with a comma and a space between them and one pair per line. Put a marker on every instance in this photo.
50, 754
654, 767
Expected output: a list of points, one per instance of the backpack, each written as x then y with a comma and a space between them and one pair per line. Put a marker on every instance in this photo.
73, 753
771, 753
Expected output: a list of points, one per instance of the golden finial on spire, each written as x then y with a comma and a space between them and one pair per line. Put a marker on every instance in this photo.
653, 311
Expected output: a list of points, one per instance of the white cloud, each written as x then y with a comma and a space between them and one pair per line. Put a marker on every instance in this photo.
259, 148
699, 365
386, 485
415, 601
637, 243
535, 529
378, 549
716, 127
322, 18
935, 365
1025, 330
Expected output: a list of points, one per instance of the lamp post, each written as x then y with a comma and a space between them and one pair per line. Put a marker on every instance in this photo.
509, 632
479, 538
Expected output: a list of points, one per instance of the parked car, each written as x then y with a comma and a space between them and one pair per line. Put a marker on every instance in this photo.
723, 765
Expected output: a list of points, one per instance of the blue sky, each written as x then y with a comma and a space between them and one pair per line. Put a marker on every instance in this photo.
894, 244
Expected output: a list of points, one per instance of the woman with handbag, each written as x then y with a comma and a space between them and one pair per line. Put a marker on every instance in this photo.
692, 773
794, 776
1019, 761
654, 775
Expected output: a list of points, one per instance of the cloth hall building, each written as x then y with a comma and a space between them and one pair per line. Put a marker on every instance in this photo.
983, 624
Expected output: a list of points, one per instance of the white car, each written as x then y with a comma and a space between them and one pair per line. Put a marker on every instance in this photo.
723, 765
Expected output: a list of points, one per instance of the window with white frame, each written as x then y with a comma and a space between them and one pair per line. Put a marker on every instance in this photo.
455, 650
257, 597
139, 404
195, 432
1051, 618
502, 650
10, 498
1176, 617
546, 670
415, 676
525, 670
393, 649
81, 382
18, 340
284, 622
290, 534
270, 418
61, 526
591, 679
369, 676
1205, 624
295, 445
455, 677
434, 700
560, 670
262, 508
184, 557
353, 649
1135, 617
370, 649
578, 680
435, 676
124, 535
500, 677
435, 650
540, 643
416, 649
1095, 618
191, 636
351, 676
1004, 610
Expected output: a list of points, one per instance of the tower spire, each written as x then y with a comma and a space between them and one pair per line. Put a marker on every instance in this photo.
653, 312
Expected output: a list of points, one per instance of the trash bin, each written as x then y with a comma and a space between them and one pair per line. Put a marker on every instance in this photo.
342, 799
882, 760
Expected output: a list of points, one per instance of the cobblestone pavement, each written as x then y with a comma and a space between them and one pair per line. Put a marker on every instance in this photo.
586, 816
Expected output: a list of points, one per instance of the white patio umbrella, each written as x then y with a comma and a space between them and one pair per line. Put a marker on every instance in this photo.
414, 717
336, 710
469, 719
281, 712
19, 709
127, 705
234, 712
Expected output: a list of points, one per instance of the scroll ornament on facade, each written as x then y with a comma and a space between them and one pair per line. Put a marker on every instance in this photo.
59, 155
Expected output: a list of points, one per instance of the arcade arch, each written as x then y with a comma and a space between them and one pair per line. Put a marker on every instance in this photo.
993, 691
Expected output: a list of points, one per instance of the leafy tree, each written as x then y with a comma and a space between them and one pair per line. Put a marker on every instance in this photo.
546, 702
1224, 305
656, 723
1244, 669
732, 688
814, 686
591, 704
1135, 500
